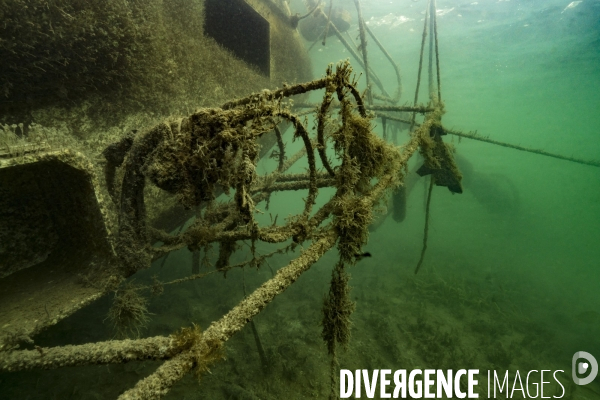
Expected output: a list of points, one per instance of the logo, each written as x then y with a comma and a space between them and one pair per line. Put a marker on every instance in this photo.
582, 367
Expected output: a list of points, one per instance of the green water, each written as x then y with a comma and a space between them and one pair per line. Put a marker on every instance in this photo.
503, 287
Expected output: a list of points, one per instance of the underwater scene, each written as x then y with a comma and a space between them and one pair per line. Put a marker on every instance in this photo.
213, 199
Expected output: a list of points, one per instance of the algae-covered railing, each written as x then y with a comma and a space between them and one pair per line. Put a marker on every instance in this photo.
214, 151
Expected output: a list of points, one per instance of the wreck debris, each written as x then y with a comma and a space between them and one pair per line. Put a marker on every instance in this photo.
215, 150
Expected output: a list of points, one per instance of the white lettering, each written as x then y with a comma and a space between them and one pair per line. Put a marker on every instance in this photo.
459, 394
537, 390
429, 383
557, 381
344, 373
370, 386
412, 384
384, 383
400, 382
497, 382
517, 377
542, 384
444, 383
473, 383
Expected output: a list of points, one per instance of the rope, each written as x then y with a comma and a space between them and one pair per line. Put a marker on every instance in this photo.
387, 55
474, 136
437, 54
420, 67
431, 45
328, 23
363, 46
426, 230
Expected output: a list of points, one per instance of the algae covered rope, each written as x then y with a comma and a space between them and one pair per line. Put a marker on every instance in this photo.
109, 352
159, 347
359, 60
350, 208
151, 155
475, 136
363, 47
437, 54
419, 109
434, 131
426, 229
281, 147
420, 68
261, 351
342, 73
160, 382
171, 371
427, 130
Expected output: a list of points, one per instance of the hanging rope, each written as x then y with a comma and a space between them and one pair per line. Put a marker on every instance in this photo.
412, 125
426, 229
437, 54
430, 65
326, 32
431, 10
363, 47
